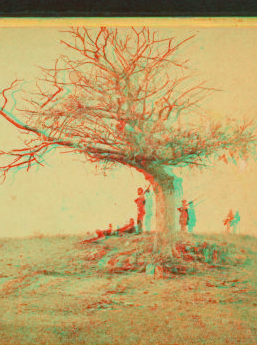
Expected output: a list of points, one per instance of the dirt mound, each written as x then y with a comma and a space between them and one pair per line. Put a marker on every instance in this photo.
191, 253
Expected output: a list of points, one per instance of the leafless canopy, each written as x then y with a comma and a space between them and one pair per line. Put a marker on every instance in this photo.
122, 96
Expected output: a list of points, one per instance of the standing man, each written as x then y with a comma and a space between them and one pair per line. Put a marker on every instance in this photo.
183, 219
148, 209
192, 217
140, 201
227, 222
235, 222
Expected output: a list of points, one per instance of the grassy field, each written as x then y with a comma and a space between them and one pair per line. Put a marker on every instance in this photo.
54, 290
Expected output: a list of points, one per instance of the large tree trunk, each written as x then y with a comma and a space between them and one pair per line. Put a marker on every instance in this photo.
164, 190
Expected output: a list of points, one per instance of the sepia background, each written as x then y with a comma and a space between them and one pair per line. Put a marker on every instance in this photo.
71, 197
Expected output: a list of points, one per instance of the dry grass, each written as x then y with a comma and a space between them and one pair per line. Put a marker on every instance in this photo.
55, 291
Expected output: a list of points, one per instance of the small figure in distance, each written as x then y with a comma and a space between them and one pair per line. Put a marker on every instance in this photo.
228, 220
235, 222
183, 219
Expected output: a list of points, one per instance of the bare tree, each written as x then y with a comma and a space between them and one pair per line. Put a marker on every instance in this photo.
124, 97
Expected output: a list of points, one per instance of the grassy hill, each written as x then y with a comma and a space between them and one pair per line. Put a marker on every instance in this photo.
57, 290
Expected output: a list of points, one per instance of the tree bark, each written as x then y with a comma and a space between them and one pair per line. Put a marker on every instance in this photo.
164, 190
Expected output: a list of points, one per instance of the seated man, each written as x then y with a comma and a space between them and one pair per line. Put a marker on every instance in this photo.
108, 232
103, 233
129, 228
92, 239
100, 233
88, 238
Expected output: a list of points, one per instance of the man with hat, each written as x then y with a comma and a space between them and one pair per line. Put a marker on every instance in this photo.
183, 219
140, 201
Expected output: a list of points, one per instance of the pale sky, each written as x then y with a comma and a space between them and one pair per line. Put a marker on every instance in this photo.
67, 196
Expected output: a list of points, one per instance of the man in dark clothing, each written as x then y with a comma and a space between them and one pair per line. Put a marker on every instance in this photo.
140, 201
183, 219
192, 217
235, 222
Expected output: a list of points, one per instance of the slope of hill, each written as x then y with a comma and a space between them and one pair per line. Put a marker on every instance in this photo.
57, 290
